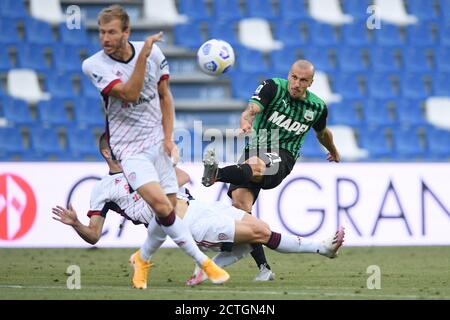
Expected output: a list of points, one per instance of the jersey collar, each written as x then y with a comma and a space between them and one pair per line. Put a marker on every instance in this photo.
131, 58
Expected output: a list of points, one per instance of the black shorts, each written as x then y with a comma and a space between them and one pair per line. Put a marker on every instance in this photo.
277, 172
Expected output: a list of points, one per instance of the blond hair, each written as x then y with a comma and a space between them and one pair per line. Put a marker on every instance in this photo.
114, 12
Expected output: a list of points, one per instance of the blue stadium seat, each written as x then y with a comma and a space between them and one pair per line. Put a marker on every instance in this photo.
12, 9
251, 61
423, 10
421, 35
320, 57
356, 34
374, 140
8, 32
45, 144
82, 144
5, 62
383, 60
17, 112
407, 144
347, 84
444, 31
188, 35
357, 8
409, 112
350, 59
321, 34
227, 10
415, 60
194, 9
289, 33
445, 12
38, 32
343, 113
438, 143
441, 84
260, 9
88, 112
413, 86
53, 113
377, 112
75, 37
12, 145
441, 58
60, 85
243, 85
66, 58
294, 10
225, 30
88, 89
380, 86
193, 91
32, 56
388, 35
282, 60
311, 148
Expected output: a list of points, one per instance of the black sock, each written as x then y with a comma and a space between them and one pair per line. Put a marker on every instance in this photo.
259, 256
235, 174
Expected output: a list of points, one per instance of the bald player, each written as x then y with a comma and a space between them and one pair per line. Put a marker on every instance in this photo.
278, 116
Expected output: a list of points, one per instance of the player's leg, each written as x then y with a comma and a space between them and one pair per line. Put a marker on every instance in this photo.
243, 199
141, 259
222, 259
252, 230
143, 172
237, 174
178, 231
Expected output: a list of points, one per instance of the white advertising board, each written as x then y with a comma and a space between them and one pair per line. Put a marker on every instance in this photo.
378, 203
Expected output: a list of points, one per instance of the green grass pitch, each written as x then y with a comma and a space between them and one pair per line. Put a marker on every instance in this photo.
406, 273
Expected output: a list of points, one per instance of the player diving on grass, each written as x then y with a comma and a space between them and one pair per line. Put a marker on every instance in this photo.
215, 225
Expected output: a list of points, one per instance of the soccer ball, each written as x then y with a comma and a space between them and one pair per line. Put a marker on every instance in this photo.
215, 57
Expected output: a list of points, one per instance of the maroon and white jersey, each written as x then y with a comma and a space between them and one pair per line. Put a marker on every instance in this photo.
112, 192
132, 127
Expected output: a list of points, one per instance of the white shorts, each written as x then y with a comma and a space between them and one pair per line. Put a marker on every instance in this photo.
151, 165
212, 223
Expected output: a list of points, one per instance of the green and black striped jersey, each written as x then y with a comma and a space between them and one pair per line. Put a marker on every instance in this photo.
284, 121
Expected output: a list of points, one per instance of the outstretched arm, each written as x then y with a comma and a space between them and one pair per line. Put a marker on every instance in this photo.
90, 233
325, 137
131, 90
248, 116
168, 116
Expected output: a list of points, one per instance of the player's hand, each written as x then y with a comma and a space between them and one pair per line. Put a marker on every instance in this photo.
245, 129
66, 216
172, 150
333, 157
147, 49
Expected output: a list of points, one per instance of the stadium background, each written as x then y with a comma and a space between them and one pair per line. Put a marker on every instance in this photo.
387, 88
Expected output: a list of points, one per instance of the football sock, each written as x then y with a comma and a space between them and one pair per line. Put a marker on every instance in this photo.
235, 174
224, 259
259, 256
179, 232
292, 244
155, 238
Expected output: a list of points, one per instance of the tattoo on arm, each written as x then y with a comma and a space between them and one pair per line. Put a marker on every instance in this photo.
251, 111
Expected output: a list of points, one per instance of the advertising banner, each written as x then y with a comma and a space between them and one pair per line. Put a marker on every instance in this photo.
378, 203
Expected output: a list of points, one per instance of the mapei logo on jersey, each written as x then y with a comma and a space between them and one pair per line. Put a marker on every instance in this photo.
17, 207
287, 123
